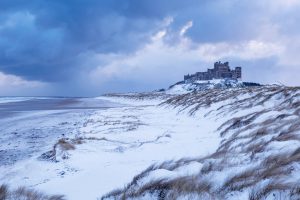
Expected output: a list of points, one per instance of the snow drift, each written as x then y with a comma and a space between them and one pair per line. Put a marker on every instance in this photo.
258, 157
186, 87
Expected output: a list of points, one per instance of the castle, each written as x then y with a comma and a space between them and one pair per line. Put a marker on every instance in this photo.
220, 71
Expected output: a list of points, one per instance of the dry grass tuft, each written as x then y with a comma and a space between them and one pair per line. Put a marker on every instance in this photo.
172, 189
77, 140
3, 192
263, 192
295, 193
64, 145
282, 159
25, 194
241, 180
286, 136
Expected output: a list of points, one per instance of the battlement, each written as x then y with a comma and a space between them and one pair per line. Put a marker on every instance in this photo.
220, 71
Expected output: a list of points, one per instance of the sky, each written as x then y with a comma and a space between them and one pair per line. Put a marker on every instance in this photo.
91, 47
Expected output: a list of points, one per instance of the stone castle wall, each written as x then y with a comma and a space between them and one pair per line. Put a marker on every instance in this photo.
220, 71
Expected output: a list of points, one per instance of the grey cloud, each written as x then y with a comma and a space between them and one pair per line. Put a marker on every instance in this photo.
50, 41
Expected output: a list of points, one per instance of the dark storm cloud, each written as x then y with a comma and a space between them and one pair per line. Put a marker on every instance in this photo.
57, 41
43, 40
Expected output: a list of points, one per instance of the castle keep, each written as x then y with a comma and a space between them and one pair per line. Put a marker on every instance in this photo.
220, 71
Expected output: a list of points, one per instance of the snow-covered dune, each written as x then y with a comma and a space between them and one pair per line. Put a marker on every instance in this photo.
226, 143
258, 157
183, 88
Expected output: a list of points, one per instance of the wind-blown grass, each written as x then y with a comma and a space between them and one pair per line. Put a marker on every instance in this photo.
23, 193
259, 153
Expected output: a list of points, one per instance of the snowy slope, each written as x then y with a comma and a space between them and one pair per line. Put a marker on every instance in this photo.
258, 157
111, 147
234, 143
183, 88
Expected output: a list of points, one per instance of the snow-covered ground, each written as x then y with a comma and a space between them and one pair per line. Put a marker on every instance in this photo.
258, 156
236, 143
183, 88
118, 143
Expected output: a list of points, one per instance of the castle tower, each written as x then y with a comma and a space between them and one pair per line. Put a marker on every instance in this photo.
220, 71
238, 73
